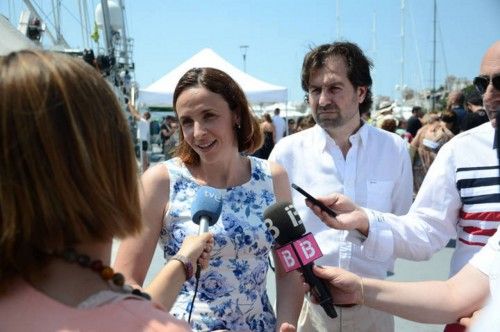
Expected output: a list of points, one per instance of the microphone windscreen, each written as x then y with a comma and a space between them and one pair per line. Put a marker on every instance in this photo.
284, 223
207, 203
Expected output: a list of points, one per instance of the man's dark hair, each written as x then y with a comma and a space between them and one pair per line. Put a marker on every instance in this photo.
358, 67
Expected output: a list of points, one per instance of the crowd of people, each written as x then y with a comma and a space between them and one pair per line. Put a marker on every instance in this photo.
402, 190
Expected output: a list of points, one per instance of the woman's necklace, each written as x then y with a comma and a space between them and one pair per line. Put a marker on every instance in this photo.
115, 280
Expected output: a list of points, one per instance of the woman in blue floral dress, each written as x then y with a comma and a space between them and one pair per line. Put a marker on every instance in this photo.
218, 132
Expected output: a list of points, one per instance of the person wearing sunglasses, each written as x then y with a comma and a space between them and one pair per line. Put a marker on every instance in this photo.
459, 198
482, 82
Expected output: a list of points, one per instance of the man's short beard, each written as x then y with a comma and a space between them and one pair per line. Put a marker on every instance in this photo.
330, 123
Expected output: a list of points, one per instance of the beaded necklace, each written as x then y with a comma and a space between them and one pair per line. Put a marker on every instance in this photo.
115, 280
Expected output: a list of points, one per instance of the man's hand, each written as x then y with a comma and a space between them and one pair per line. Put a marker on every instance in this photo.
344, 286
349, 215
287, 327
468, 321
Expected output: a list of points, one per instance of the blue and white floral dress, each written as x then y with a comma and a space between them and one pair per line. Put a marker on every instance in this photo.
232, 290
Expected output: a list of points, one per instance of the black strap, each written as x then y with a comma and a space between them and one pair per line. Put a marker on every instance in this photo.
496, 143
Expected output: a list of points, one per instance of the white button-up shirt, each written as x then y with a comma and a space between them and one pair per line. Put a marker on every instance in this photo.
375, 173
460, 197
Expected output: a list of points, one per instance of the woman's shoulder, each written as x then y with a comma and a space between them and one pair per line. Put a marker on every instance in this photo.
150, 315
46, 314
261, 170
268, 167
266, 126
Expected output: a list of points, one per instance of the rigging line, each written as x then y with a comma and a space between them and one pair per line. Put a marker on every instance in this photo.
12, 10
71, 14
84, 26
82, 22
56, 11
417, 48
88, 25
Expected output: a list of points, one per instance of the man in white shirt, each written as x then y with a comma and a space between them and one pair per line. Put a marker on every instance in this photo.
459, 196
279, 125
143, 134
343, 154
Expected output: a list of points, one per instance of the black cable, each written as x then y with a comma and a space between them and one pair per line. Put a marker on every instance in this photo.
497, 133
270, 264
197, 275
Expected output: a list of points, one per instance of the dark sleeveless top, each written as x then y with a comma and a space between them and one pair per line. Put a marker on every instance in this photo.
266, 148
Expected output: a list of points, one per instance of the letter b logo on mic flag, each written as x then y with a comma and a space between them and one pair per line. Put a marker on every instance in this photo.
304, 250
288, 258
308, 249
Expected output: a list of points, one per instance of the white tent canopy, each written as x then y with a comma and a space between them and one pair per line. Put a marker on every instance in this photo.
160, 93
290, 109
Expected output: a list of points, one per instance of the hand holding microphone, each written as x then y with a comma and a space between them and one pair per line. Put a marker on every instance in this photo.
345, 286
197, 248
297, 250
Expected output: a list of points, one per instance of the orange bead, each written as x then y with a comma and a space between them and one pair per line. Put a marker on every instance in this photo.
107, 273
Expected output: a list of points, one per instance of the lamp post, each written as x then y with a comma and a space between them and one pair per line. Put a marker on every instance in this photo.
244, 49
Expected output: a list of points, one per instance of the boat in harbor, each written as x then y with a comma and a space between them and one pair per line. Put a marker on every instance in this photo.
95, 33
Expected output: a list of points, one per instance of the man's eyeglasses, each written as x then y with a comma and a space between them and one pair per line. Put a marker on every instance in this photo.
481, 82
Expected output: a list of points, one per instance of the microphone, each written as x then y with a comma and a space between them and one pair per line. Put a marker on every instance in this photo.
206, 208
297, 250
205, 211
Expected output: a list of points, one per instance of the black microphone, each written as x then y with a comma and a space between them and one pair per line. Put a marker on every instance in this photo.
206, 208
297, 249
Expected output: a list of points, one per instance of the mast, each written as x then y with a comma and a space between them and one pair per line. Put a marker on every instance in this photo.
125, 52
374, 52
85, 23
402, 79
434, 60
107, 28
339, 32
56, 6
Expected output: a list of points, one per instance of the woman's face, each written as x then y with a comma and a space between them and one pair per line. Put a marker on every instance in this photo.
207, 123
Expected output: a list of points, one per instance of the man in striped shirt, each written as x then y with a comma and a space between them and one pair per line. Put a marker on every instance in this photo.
459, 198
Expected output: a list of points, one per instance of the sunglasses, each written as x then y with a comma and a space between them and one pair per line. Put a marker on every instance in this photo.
481, 82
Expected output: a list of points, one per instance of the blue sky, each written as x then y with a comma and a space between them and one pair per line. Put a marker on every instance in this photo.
280, 32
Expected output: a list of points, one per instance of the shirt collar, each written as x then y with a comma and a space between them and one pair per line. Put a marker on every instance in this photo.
321, 137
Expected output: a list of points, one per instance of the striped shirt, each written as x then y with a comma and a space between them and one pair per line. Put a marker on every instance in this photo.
479, 192
459, 198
